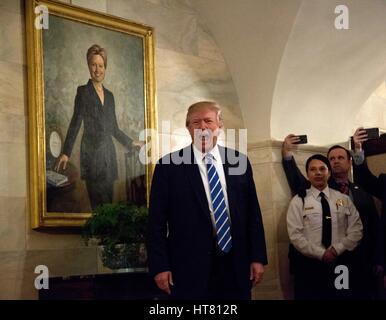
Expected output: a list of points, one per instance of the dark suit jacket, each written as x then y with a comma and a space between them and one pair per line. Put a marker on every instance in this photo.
377, 187
371, 242
180, 237
98, 159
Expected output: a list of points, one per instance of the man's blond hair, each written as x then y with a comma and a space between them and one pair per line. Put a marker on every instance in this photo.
204, 105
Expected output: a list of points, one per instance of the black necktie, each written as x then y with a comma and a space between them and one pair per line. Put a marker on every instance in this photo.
326, 228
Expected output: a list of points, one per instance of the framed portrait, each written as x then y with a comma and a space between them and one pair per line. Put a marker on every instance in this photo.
91, 95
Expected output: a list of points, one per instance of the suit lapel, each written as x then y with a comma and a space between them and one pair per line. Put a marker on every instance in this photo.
355, 196
194, 176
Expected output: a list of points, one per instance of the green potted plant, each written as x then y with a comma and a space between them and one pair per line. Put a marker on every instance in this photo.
120, 229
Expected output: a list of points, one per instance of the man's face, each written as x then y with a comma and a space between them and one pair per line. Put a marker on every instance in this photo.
204, 128
340, 163
318, 174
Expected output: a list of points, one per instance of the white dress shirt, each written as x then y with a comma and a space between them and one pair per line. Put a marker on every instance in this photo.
304, 223
217, 161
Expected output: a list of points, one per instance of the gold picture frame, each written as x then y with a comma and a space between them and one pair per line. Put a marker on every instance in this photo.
57, 67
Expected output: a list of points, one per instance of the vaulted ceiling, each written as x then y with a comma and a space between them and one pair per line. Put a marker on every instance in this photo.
293, 70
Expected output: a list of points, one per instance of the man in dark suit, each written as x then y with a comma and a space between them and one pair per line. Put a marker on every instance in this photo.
367, 259
206, 238
372, 184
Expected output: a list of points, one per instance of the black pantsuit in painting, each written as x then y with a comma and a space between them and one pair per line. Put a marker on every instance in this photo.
98, 160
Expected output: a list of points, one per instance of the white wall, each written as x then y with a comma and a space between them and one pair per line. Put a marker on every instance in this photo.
252, 35
294, 72
326, 75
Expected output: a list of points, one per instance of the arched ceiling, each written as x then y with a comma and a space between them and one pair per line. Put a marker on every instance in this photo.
326, 74
252, 35
293, 71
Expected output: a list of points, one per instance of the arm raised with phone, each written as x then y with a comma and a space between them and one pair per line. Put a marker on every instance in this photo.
295, 178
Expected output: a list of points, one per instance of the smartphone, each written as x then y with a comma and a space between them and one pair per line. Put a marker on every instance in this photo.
303, 139
372, 133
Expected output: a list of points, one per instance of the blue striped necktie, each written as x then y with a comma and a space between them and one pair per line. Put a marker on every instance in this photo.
223, 226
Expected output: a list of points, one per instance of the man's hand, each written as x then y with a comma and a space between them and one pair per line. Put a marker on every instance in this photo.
359, 137
256, 272
164, 280
289, 145
330, 255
